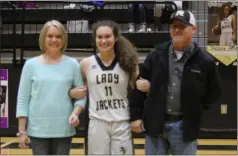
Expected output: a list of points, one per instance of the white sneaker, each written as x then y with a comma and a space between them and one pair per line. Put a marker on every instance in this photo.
71, 6
148, 29
131, 28
142, 28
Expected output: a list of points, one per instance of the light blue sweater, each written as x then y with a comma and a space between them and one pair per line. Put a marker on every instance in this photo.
43, 96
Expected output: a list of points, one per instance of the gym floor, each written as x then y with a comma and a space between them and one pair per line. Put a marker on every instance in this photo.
9, 146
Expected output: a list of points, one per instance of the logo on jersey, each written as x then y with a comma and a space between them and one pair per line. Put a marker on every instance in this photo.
94, 66
123, 150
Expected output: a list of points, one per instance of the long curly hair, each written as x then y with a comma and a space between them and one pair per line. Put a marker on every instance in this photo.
224, 5
125, 52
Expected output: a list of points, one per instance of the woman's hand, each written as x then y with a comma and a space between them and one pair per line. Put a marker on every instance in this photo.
143, 85
24, 141
74, 120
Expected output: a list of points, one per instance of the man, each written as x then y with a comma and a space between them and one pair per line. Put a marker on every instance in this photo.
184, 81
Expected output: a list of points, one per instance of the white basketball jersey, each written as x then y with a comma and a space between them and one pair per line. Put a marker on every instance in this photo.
107, 91
226, 24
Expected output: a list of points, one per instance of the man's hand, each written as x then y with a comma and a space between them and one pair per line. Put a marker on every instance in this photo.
137, 126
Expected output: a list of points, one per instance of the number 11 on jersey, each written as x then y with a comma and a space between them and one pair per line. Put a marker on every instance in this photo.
108, 91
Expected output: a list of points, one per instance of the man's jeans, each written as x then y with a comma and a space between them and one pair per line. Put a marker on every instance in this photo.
171, 142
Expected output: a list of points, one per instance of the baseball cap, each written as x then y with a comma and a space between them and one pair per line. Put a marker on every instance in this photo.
185, 16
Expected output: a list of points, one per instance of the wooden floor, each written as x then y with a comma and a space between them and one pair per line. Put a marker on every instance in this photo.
9, 146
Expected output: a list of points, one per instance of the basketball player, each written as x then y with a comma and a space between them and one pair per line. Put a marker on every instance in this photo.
2, 101
227, 26
108, 74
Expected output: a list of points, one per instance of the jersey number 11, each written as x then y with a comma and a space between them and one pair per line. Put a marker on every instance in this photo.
108, 91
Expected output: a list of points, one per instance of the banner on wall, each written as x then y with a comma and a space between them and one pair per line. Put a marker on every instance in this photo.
4, 98
222, 34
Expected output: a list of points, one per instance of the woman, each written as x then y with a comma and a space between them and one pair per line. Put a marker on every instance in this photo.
44, 109
226, 26
2, 101
108, 74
